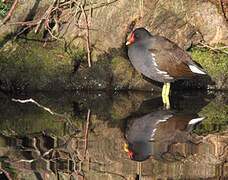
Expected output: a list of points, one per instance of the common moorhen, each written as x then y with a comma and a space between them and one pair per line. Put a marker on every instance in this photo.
160, 59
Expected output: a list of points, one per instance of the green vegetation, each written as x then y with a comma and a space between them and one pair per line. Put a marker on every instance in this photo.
4, 7
119, 68
27, 64
215, 62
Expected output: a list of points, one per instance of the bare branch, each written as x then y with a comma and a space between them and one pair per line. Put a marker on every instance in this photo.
214, 48
9, 13
87, 34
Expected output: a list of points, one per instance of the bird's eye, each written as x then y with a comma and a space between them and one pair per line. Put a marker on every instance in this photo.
137, 36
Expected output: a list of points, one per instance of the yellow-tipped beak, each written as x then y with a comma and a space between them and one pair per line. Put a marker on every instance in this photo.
128, 42
126, 147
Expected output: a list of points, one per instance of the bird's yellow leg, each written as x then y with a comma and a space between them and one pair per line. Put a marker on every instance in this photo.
167, 89
165, 95
126, 147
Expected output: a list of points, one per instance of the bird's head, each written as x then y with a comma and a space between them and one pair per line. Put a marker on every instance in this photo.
138, 34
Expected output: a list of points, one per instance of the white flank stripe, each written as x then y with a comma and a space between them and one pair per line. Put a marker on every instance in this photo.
158, 71
195, 69
196, 120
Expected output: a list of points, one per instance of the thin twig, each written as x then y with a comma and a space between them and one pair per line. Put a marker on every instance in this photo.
221, 6
9, 13
33, 22
45, 16
214, 48
87, 34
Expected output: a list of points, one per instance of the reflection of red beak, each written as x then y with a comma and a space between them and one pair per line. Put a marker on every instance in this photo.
130, 154
131, 40
127, 150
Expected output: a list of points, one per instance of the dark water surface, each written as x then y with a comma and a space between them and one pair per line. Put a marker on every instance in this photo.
114, 135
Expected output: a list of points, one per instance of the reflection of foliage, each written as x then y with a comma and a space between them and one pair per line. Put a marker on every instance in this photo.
216, 119
4, 7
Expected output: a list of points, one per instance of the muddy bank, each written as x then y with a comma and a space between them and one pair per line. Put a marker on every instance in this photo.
56, 60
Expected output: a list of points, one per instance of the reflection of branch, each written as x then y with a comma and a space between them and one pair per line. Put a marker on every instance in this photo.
74, 155
46, 109
86, 132
33, 101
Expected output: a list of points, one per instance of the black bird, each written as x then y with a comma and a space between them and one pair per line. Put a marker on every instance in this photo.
161, 60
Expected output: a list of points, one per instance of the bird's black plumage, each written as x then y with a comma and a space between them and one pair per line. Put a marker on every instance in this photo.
160, 59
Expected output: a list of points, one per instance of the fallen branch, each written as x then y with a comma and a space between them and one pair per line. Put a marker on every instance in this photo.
9, 13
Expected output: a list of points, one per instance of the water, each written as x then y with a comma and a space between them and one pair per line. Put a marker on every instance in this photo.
114, 135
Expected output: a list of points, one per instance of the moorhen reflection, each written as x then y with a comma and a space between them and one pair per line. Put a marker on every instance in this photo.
161, 60
151, 134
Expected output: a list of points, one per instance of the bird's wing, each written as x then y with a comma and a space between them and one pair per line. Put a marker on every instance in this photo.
172, 59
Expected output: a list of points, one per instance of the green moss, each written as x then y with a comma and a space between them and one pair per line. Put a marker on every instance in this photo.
214, 62
120, 66
29, 64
